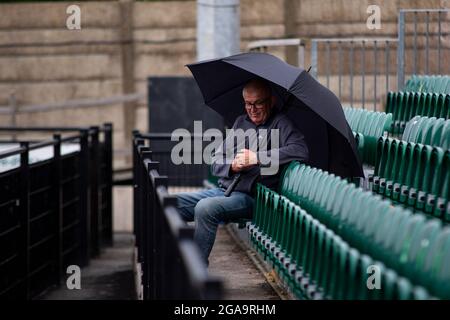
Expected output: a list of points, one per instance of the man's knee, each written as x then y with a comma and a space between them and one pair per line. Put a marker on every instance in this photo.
207, 208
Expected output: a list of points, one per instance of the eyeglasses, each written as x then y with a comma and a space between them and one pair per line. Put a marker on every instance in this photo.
257, 104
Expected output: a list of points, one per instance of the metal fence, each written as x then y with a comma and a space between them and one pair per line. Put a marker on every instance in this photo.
170, 262
14, 109
358, 70
55, 212
423, 42
192, 175
263, 45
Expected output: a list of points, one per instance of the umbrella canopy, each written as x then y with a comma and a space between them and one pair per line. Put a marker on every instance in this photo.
314, 109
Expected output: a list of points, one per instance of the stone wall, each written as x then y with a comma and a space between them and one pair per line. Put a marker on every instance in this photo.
41, 61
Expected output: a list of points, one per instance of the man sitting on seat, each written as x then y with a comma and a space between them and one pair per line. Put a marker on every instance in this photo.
210, 207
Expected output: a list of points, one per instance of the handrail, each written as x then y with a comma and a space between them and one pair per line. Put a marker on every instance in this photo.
287, 42
12, 152
171, 263
381, 39
79, 103
274, 43
44, 129
168, 135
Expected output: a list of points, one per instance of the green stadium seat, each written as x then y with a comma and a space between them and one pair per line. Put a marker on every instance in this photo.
445, 137
439, 265
436, 132
406, 105
389, 282
404, 289
342, 216
432, 84
425, 184
367, 127
418, 251
321, 230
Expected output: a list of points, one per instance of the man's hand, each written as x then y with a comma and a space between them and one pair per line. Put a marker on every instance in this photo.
244, 159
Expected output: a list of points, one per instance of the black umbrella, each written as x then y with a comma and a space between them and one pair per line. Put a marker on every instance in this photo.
314, 109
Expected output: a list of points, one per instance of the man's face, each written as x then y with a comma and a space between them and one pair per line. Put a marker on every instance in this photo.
258, 105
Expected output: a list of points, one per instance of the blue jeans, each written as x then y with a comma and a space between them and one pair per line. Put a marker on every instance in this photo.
210, 207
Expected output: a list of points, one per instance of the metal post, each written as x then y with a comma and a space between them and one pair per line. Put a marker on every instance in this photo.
146, 232
387, 56
415, 43
108, 149
301, 55
57, 207
152, 228
218, 28
85, 203
375, 76
401, 51
328, 64
136, 173
427, 38
340, 68
13, 106
24, 204
96, 220
142, 191
158, 228
439, 42
351, 74
363, 63
314, 58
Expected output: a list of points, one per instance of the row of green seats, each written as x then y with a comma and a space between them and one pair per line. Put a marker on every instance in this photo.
432, 84
314, 261
429, 131
390, 234
414, 175
371, 125
406, 105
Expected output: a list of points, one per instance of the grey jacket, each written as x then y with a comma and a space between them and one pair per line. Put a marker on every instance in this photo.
292, 146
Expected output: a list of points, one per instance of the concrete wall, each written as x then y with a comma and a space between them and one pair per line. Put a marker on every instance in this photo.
41, 61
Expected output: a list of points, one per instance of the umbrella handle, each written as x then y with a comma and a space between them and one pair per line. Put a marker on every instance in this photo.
232, 185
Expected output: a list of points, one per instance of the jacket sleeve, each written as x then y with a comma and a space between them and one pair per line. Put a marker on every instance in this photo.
220, 164
292, 145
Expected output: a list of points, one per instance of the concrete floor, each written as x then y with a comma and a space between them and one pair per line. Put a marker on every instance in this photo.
243, 280
110, 276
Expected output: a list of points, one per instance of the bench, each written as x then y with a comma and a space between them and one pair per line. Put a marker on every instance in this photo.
321, 233
406, 105
414, 175
367, 127
430, 131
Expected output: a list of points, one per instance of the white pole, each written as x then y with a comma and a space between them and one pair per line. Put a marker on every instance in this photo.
218, 28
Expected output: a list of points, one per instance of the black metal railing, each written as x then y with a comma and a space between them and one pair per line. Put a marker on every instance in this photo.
170, 261
54, 212
185, 175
